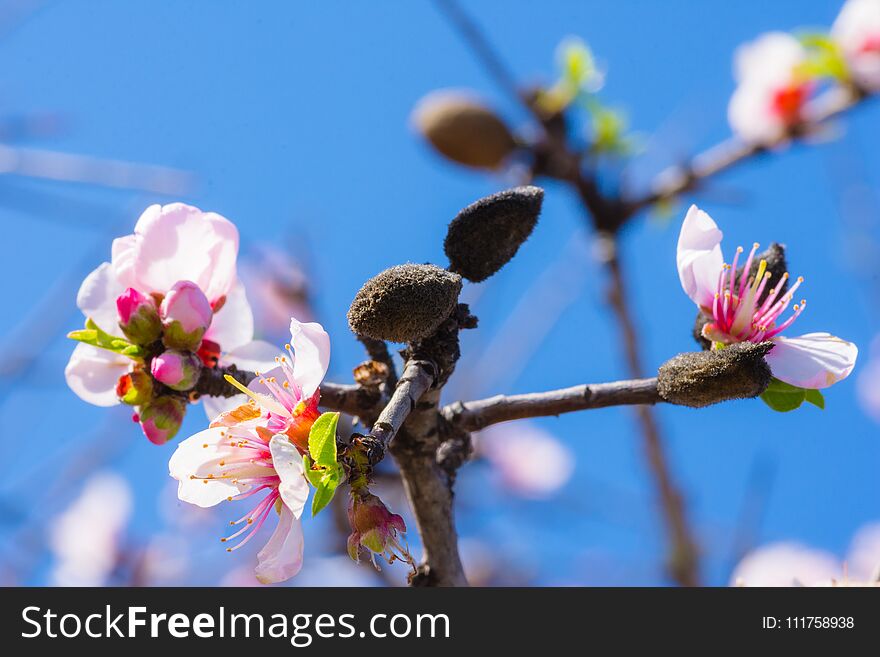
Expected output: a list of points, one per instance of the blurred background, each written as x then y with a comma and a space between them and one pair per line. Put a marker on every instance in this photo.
293, 120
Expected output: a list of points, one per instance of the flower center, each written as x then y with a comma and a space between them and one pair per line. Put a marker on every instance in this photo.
741, 311
788, 102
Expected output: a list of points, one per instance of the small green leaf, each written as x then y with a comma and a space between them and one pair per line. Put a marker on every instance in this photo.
814, 397
784, 397
326, 488
322, 440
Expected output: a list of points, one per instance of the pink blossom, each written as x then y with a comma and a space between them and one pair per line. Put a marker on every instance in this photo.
857, 32
740, 311
138, 317
160, 418
256, 450
170, 244
772, 88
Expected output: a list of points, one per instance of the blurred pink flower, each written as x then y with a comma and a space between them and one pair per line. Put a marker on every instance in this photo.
786, 564
85, 539
868, 383
813, 360
771, 89
530, 461
278, 289
857, 31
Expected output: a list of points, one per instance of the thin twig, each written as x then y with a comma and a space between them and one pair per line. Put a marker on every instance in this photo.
481, 413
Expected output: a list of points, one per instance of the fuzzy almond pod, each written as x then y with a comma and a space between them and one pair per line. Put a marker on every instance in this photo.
463, 129
702, 378
404, 303
487, 234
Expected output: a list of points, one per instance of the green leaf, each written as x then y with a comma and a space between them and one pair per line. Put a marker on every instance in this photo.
93, 335
815, 398
825, 58
326, 488
784, 397
322, 440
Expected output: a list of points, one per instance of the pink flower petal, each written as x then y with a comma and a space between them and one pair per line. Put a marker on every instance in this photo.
814, 360
282, 556
97, 298
93, 373
179, 242
311, 347
699, 257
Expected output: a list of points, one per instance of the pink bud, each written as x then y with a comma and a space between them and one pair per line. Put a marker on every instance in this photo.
186, 315
138, 317
161, 418
179, 370
374, 527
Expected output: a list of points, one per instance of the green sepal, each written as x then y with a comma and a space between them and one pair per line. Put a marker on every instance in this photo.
93, 335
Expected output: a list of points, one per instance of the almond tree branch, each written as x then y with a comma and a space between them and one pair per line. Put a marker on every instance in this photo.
481, 413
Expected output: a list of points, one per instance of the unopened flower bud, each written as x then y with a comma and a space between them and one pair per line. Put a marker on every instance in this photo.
138, 317
135, 388
161, 418
699, 379
464, 130
374, 527
179, 370
404, 303
487, 234
186, 315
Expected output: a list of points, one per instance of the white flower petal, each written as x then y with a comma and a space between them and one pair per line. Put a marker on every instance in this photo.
699, 257
282, 556
214, 406
198, 456
233, 326
814, 360
288, 464
311, 347
93, 373
97, 298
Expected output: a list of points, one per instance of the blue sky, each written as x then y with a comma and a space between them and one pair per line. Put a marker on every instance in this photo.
295, 117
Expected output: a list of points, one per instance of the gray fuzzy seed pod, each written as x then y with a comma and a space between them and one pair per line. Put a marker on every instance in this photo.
702, 378
404, 303
487, 234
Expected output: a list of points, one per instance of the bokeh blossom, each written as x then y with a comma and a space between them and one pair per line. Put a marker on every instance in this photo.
749, 306
170, 284
868, 383
529, 461
772, 88
256, 450
857, 33
86, 539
